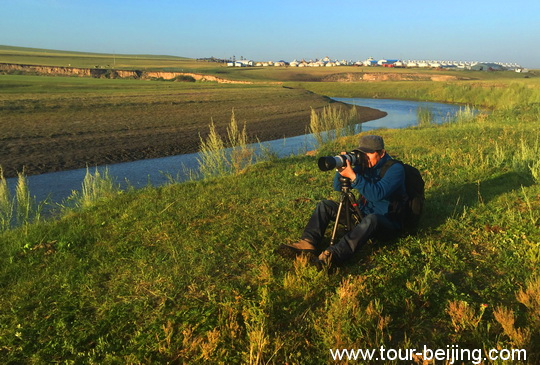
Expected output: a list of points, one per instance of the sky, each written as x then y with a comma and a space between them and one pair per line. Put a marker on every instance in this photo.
264, 30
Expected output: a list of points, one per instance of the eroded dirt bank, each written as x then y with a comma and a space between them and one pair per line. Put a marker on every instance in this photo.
109, 73
382, 76
165, 75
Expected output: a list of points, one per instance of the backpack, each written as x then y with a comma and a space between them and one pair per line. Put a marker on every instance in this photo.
414, 185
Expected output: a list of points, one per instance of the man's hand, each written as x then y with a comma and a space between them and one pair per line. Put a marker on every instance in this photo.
347, 171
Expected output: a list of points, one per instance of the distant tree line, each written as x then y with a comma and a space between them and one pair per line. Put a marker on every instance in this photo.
212, 59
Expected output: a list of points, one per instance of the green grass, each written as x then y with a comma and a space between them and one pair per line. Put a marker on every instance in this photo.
187, 273
45, 57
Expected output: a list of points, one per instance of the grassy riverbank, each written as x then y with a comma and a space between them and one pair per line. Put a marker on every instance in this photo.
499, 93
187, 273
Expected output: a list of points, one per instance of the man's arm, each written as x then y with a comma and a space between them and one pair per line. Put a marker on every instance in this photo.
392, 180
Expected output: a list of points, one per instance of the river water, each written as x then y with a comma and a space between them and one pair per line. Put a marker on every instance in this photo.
58, 186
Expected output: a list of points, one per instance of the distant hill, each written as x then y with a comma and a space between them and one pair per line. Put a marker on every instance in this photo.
48, 57
28, 50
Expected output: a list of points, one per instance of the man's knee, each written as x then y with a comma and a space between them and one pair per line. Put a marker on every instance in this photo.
326, 205
371, 220
380, 226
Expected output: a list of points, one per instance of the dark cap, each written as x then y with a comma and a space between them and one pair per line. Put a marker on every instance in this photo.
370, 144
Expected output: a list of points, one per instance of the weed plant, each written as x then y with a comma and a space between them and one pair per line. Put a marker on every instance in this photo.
332, 123
424, 116
96, 187
24, 200
464, 115
188, 273
6, 204
216, 160
20, 209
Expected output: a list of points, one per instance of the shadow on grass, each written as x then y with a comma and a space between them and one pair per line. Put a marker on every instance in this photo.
443, 205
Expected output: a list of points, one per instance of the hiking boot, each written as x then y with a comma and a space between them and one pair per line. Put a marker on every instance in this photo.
301, 247
326, 257
323, 261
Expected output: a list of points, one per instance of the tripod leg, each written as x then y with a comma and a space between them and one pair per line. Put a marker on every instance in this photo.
354, 207
348, 215
342, 202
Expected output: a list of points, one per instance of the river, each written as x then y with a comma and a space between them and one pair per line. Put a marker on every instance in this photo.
58, 186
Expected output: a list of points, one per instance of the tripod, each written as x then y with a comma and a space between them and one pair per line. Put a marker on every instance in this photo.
347, 206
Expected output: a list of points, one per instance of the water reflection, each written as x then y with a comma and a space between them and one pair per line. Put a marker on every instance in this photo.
402, 113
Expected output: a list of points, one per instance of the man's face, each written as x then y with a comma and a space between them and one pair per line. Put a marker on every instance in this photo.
374, 157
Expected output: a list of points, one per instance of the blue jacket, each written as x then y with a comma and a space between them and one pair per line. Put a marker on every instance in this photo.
378, 193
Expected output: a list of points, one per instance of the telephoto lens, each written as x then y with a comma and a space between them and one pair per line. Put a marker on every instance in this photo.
355, 157
328, 163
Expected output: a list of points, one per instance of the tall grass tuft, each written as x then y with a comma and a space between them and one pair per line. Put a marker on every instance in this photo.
256, 322
24, 204
333, 123
348, 321
18, 210
213, 161
463, 316
241, 154
530, 298
519, 337
526, 157
217, 160
499, 155
424, 116
95, 187
464, 115
6, 204
535, 170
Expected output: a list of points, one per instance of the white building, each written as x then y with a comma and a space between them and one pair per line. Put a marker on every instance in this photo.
241, 63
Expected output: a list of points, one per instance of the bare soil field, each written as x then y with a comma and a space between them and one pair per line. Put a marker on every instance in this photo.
51, 126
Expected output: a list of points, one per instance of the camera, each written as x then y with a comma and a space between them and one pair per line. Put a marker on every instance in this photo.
355, 157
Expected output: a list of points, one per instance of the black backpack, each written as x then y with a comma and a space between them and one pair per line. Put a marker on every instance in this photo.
411, 211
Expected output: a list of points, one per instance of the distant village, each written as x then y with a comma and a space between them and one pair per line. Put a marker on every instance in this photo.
393, 63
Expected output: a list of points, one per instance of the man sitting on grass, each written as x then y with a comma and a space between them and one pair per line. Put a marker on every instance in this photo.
381, 200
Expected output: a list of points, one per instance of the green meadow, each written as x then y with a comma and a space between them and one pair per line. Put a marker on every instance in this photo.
45, 57
188, 272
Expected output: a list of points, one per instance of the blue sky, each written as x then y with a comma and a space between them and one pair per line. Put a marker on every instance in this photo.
473, 30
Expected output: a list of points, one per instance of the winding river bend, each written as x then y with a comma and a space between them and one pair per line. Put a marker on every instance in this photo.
57, 186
